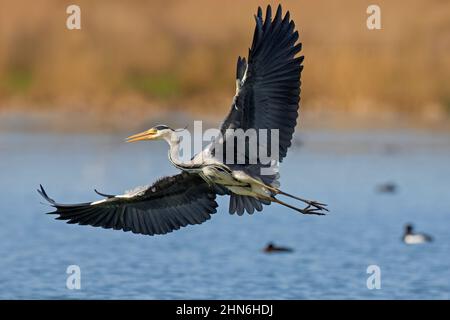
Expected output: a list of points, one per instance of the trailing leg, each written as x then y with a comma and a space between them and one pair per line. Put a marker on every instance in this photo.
307, 210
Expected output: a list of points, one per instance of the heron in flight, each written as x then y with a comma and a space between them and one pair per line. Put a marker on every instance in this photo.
267, 97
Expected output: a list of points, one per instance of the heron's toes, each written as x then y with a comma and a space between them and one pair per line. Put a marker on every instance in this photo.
315, 211
318, 205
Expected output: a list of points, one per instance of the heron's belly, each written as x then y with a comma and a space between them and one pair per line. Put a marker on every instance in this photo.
236, 181
218, 175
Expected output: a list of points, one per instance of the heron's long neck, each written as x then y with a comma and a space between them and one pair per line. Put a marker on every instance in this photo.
174, 153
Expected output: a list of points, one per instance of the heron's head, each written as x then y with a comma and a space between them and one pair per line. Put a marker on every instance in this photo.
156, 133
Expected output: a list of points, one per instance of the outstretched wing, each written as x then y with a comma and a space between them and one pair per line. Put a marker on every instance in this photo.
268, 85
267, 97
168, 204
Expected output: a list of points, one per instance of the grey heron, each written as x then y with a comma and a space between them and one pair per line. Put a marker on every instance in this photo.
267, 97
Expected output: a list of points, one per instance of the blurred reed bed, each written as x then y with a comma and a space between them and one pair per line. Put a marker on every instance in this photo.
142, 56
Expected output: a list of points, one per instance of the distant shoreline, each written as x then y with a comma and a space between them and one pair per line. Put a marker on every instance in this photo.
98, 122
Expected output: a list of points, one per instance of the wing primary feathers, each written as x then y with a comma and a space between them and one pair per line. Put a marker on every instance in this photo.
167, 205
269, 96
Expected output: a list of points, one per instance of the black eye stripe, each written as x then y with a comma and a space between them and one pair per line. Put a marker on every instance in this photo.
161, 127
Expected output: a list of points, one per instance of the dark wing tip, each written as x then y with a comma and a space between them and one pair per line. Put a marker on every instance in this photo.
44, 195
268, 20
278, 14
109, 196
269, 12
287, 16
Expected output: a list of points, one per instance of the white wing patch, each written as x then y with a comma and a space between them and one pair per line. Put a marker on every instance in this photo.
135, 192
240, 83
98, 202
244, 77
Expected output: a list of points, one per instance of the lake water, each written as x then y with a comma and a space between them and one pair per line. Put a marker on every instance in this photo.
223, 258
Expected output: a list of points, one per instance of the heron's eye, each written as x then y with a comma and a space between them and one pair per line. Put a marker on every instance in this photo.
161, 127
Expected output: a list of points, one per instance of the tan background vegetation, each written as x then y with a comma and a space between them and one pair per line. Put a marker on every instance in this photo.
148, 56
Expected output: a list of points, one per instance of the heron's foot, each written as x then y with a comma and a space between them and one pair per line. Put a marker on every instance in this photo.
314, 207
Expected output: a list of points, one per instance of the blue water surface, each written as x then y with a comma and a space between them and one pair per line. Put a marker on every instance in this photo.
223, 258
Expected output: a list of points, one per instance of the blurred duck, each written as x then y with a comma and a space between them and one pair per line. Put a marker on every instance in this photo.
388, 187
415, 238
270, 248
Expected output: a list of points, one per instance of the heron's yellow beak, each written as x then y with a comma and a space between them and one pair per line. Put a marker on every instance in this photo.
146, 135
